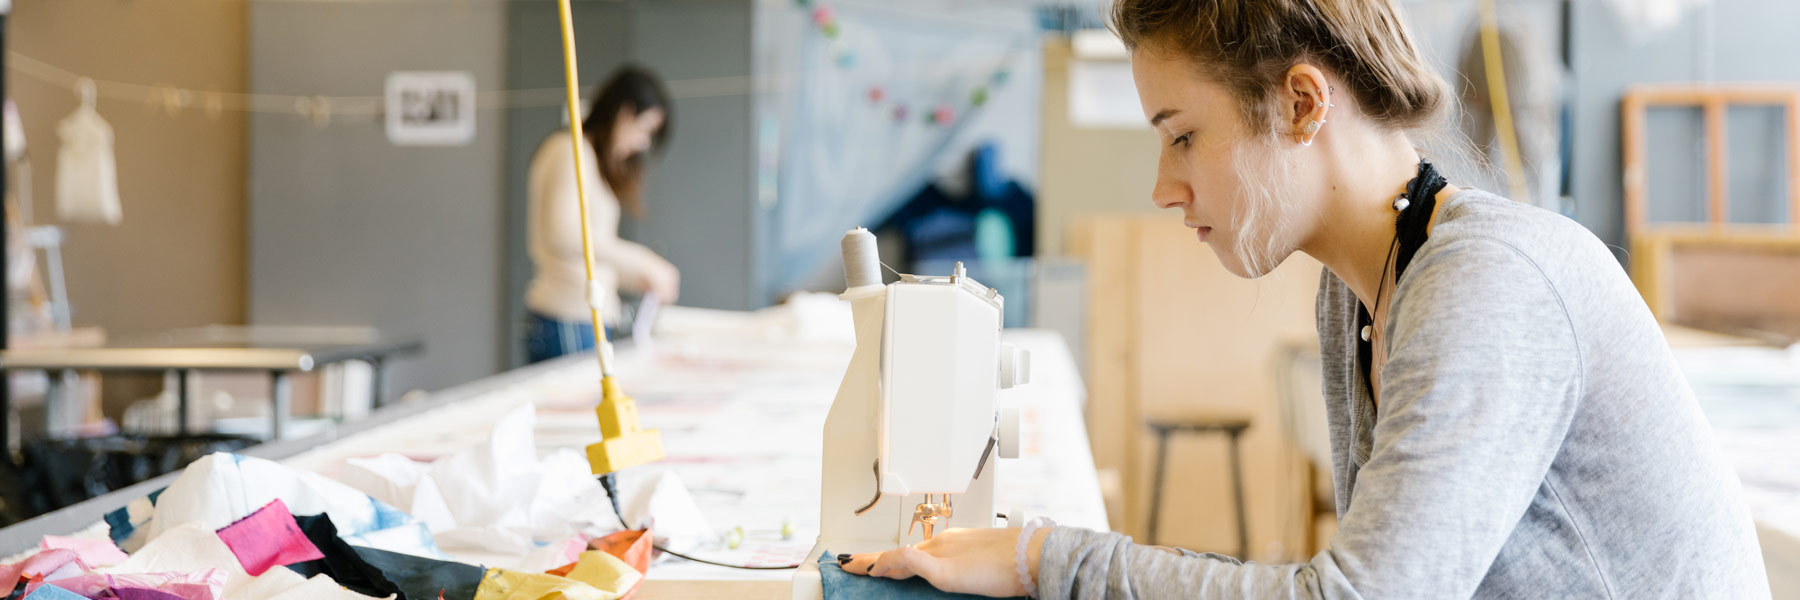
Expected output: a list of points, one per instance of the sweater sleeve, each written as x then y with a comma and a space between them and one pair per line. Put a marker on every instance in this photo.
1480, 388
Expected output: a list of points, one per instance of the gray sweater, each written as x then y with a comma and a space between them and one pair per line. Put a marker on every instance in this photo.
1534, 439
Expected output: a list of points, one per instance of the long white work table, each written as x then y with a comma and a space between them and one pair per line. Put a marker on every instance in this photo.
740, 399
1751, 395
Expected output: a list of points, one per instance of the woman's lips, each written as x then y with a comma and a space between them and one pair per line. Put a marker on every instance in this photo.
1202, 232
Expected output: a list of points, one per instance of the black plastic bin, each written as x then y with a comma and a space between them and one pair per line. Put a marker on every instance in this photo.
55, 473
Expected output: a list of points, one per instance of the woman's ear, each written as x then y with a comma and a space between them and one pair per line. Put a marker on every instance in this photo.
1307, 100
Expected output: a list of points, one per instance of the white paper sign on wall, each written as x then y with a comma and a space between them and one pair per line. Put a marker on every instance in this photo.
430, 108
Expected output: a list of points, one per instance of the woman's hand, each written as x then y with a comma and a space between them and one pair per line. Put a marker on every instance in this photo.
664, 281
968, 561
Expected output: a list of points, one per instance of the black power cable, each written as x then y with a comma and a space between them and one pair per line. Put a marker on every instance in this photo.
610, 483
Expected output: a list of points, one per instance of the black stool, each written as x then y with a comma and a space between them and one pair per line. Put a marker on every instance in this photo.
1233, 428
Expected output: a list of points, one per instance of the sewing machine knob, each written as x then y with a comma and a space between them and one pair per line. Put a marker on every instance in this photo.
1009, 433
1015, 366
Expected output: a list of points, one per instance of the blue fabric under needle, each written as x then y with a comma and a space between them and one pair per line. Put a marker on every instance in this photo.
844, 586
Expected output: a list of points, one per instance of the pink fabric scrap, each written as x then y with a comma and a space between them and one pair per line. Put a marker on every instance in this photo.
572, 549
144, 594
38, 566
267, 538
94, 552
205, 584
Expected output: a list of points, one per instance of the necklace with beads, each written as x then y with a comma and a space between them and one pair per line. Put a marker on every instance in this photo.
1414, 207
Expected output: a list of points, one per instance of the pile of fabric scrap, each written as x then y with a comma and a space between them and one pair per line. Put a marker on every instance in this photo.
239, 528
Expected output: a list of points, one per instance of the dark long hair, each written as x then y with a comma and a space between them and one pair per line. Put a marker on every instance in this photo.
635, 87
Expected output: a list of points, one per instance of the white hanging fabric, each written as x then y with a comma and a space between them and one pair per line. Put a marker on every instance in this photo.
87, 180
1650, 17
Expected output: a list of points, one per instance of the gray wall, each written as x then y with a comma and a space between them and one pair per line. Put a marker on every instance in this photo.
1726, 41
699, 195
347, 229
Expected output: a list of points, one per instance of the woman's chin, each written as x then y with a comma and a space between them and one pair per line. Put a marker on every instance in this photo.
1236, 264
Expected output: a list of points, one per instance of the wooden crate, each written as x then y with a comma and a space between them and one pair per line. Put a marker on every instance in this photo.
1734, 277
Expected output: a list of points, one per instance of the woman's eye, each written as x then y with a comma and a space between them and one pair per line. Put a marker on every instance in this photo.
1182, 140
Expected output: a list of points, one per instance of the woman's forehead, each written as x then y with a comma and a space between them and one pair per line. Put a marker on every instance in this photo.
1170, 85
652, 118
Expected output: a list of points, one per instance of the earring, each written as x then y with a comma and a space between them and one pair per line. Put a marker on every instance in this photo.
1311, 129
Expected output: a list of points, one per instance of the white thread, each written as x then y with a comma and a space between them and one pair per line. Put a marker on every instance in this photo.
861, 259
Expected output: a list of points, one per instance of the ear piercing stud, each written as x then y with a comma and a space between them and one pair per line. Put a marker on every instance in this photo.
1312, 127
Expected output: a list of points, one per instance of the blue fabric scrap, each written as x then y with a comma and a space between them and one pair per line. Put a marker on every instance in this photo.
51, 592
844, 586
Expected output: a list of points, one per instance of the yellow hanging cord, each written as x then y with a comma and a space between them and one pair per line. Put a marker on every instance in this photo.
1503, 121
575, 139
622, 444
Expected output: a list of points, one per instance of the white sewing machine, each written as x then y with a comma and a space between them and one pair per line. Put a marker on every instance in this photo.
912, 439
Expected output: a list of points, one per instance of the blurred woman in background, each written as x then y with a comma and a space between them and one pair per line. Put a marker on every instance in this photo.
627, 122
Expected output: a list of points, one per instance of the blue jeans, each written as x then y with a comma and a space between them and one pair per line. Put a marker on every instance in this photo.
547, 338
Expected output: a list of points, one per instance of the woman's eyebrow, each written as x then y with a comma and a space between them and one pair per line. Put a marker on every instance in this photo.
1164, 115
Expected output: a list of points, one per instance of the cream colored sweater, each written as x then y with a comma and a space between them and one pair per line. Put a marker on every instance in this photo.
553, 233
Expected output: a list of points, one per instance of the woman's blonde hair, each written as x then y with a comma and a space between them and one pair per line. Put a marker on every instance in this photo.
1249, 45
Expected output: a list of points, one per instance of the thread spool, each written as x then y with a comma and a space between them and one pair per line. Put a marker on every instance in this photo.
862, 262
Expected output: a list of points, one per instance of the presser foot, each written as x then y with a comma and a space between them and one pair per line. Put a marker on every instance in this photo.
927, 513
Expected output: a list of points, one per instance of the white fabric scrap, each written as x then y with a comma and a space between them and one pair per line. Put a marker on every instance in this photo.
496, 496
221, 488
664, 505
1650, 17
87, 179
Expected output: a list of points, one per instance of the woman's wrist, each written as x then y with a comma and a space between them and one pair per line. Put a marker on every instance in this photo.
1034, 551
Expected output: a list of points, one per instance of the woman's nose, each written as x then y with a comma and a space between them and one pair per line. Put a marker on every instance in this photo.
1170, 192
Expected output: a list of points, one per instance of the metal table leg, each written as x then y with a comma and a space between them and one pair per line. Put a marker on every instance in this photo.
378, 382
53, 392
1156, 488
71, 393
1237, 497
280, 398
181, 402
6, 416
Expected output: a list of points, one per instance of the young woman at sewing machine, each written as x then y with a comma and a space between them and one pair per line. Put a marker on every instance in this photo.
1506, 418
624, 124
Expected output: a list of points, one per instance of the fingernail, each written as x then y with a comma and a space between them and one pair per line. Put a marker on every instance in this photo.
843, 559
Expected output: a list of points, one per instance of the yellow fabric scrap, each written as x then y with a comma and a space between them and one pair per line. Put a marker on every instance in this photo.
597, 576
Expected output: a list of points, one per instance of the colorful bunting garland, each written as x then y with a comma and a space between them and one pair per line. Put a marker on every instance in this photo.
825, 21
